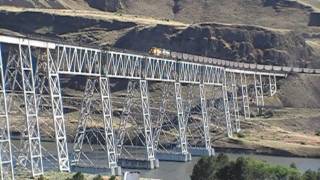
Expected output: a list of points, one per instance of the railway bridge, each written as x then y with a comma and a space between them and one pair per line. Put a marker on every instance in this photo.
30, 75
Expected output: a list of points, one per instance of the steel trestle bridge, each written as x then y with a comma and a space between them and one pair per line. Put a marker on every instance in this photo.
31, 67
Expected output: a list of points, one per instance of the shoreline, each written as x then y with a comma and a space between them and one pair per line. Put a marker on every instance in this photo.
269, 152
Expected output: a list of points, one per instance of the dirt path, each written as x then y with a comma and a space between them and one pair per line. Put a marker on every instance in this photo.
97, 15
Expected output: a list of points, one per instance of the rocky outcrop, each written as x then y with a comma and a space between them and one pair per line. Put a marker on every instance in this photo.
237, 43
106, 5
32, 23
240, 43
314, 19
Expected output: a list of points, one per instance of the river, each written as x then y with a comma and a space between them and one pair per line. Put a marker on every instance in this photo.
182, 171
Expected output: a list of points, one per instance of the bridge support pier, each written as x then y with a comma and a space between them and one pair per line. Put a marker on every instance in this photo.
181, 121
182, 155
31, 110
147, 120
234, 89
82, 123
58, 115
259, 92
207, 150
149, 161
6, 164
226, 105
108, 125
273, 84
245, 97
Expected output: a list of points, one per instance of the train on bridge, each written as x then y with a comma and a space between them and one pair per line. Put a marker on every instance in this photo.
164, 53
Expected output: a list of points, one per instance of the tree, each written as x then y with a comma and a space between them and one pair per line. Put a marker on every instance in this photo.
206, 167
293, 165
42, 177
99, 177
220, 168
112, 178
78, 176
310, 175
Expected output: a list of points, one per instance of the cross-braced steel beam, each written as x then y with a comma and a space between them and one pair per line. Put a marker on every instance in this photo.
6, 164
31, 110
226, 106
126, 113
147, 119
181, 119
107, 119
273, 84
58, 115
82, 123
259, 92
162, 115
205, 121
236, 114
245, 96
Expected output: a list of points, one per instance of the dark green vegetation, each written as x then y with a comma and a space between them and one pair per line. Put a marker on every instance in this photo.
76, 176
221, 168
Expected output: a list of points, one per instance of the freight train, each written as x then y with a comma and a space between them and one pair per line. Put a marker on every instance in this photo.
164, 53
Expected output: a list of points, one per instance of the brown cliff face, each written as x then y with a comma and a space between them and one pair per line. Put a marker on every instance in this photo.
240, 43
237, 43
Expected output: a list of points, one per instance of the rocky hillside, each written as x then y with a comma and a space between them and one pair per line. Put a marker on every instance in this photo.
234, 42
56, 4
289, 14
246, 43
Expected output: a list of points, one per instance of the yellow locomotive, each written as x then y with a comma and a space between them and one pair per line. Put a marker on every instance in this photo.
159, 52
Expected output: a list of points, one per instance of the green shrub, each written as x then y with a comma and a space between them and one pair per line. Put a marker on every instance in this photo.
42, 177
241, 135
78, 176
207, 167
241, 169
311, 175
112, 178
293, 165
99, 177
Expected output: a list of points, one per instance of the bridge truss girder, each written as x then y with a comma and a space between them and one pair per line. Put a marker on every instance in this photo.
65, 59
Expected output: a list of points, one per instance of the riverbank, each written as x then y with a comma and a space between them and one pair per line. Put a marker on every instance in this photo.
289, 132
303, 152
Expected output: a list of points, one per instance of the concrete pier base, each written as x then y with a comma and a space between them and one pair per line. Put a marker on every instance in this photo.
197, 151
117, 171
173, 156
138, 163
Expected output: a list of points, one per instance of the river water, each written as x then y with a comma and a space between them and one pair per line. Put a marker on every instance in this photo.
182, 171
